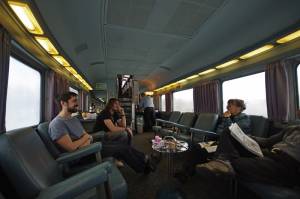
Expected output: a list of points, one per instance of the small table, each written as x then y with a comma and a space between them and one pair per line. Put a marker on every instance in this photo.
170, 146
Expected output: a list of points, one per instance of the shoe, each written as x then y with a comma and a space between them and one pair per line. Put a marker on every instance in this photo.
150, 166
217, 166
156, 157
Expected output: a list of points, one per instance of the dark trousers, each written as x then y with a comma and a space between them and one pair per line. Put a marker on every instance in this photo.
122, 137
132, 157
274, 168
149, 119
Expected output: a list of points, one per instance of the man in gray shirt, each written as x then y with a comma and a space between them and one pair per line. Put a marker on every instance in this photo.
65, 130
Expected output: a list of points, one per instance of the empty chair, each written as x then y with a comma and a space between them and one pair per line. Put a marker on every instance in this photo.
181, 127
259, 126
160, 123
34, 173
204, 126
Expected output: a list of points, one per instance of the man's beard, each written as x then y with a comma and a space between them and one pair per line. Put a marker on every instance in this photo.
72, 110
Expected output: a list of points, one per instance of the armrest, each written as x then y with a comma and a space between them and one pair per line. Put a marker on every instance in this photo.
85, 151
202, 132
79, 183
165, 121
180, 126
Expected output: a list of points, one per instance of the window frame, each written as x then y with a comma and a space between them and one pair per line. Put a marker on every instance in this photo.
297, 84
27, 59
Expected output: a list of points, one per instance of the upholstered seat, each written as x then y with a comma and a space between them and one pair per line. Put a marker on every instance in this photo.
34, 173
259, 126
161, 124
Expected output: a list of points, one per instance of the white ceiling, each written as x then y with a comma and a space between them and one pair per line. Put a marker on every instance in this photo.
160, 40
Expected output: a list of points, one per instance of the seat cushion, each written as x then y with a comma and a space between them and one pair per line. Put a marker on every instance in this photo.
166, 132
117, 182
156, 128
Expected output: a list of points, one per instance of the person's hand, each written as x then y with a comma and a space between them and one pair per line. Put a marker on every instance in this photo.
226, 114
121, 110
129, 131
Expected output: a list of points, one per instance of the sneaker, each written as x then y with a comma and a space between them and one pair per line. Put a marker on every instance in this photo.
218, 166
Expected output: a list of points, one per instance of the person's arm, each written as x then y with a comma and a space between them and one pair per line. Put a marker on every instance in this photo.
244, 123
66, 142
122, 121
270, 141
112, 128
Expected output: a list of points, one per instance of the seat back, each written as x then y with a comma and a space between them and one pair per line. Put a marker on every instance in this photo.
27, 163
187, 119
42, 130
88, 125
175, 116
259, 125
206, 121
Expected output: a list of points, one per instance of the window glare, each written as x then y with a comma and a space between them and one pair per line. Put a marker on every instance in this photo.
163, 103
183, 101
23, 96
251, 89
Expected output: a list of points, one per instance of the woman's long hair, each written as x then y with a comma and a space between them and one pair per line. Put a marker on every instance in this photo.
110, 104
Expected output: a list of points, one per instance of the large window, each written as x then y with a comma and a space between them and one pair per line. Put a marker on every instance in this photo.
163, 102
23, 96
183, 101
251, 89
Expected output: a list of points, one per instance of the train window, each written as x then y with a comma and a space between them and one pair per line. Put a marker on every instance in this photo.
163, 103
251, 89
183, 101
298, 77
23, 104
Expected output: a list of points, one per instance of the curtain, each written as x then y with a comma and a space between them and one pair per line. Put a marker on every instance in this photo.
169, 99
207, 98
5, 45
156, 102
277, 91
82, 99
55, 86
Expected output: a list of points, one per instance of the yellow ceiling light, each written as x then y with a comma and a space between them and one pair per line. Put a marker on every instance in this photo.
257, 51
148, 93
71, 70
47, 45
181, 81
77, 76
227, 63
207, 71
192, 77
25, 15
61, 60
289, 37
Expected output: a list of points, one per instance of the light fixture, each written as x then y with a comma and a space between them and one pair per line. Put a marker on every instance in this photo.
207, 71
148, 93
71, 70
192, 77
47, 45
77, 76
61, 60
25, 15
257, 51
289, 37
227, 63
181, 81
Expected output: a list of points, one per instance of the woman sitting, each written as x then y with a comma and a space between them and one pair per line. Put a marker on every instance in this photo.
117, 139
198, 155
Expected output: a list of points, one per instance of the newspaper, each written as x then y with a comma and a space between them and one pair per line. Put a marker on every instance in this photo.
250, 144
209, 146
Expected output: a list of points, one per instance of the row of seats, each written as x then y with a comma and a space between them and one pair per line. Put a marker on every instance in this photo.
193, 127
36, 171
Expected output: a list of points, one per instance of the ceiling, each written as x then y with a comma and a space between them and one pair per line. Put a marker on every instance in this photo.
158, 41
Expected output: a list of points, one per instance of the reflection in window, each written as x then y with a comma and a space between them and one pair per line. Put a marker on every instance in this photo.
183, 101
251, 89
23, 96
163, 103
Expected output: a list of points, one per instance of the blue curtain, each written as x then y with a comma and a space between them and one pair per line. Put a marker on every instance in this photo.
5, 45
207, 97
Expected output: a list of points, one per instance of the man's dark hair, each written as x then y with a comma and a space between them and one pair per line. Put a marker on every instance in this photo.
66, 96
143, 94
238, 102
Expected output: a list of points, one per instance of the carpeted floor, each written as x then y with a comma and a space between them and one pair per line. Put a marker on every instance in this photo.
145, 186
